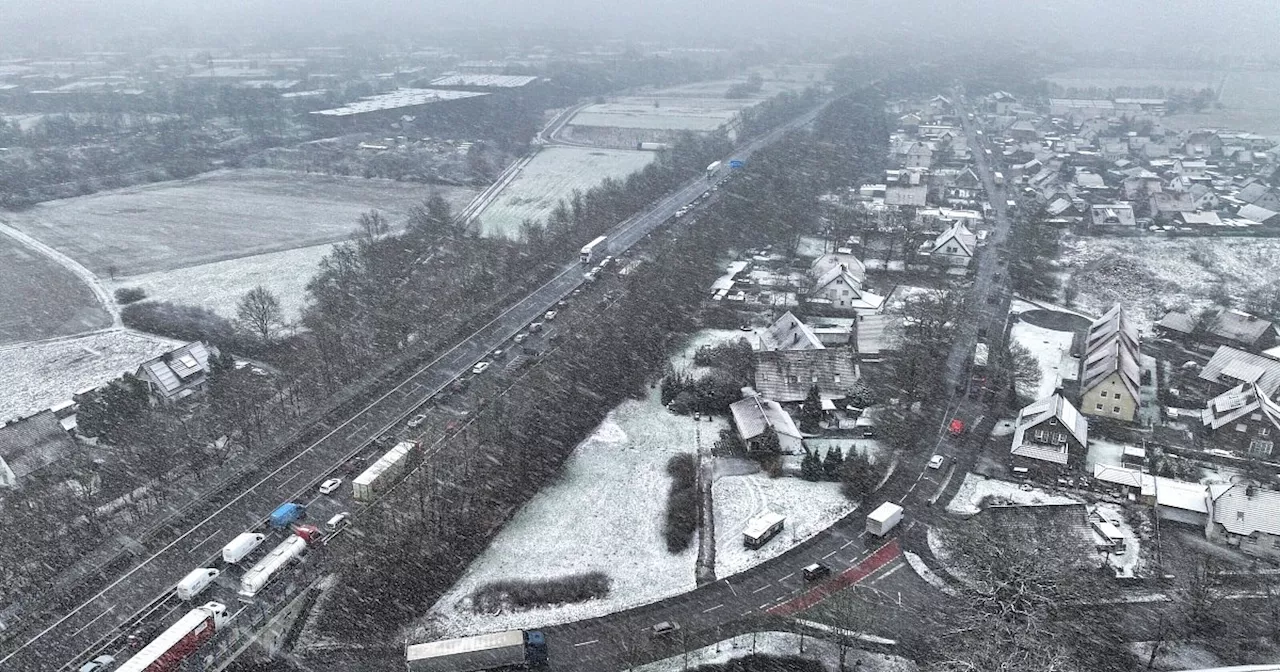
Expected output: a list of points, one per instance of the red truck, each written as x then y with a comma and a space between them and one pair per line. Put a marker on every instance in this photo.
168, 651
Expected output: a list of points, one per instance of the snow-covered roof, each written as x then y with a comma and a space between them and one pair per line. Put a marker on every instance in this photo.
1111, 346
29, 445
177, 368
396, 100
1238, 402
1247, 509
965, 239
831, 260
491, 81
1065, 415
751, 416
1231, 366
789, 333
1239, 326
788, 375
1256, 213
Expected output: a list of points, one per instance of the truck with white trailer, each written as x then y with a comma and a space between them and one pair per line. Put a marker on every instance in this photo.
593, 249
194, 583
178, 643
241, 546
261, 573
713, 169
497, 650
383, 473
884, 518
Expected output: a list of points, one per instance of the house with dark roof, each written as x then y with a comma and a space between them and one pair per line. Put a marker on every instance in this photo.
1259, 214
179, 373
1245, 516
1243, 419
1049, 436
1166, 204
1259, 194
787, 375
754, 414
1241, 329
30, 446
789, 333
1202, 144
1109, 369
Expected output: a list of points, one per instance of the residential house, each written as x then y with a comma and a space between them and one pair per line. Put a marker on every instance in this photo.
1238, 328
1023, 130
30, 446
913, 154
1109, 369
1259, 194
954, 247
1197, 220
1002, 102
1246, 516
1112, 216
179, 373
967, 179
1049, 436
1175, 501
755, 414
1155, 150
1202, 144
1243, 419
841, 291
1229, 367
789, 333
1261, 215
1141, 184
842, 257
1203, 197
913, 195
787, 375
1166, 204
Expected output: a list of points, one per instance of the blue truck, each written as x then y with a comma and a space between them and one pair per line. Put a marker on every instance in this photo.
286, 514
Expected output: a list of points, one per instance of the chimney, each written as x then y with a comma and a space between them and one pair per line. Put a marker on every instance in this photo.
1251, 491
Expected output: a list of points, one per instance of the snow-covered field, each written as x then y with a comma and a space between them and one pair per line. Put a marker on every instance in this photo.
1048, 346
808, 507
553, 175
215, 216
1102, 451
975, 488
41, 299
605, 514
1149, 275
35, 376
681, 114
782, 644
218, 286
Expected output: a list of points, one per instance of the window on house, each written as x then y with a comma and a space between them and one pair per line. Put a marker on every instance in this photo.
1264, 431
1239, 515
793, 379
1255, 417
1097, 407
1103, 394
813, 378
835, 378
1115, 409
1040, 435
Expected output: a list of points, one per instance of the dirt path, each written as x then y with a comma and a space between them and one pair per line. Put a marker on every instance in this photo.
87, 276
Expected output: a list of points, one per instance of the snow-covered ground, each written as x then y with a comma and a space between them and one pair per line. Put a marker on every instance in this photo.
975, 488
683, 360
1102, 451
808, 507
553, 175
782, 644
1049, 347
1128, 563
219, 286
683, 114
604, 514
1149, 275
35, 376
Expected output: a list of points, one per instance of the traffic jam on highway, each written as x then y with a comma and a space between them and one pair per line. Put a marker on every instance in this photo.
247, 566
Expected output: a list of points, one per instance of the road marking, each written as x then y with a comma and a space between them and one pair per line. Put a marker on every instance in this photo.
748, 612
786, 577
887, 574
760, 589
726, 582
587, 643
830, 554
286, 481
193, 548
707, 611
765, 605
95, 620
847, 544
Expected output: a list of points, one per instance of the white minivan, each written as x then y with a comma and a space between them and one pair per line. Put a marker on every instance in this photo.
195, 582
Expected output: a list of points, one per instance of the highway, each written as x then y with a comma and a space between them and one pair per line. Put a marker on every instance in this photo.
58, 641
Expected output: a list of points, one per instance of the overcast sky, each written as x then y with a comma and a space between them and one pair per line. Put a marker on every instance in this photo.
1246, 27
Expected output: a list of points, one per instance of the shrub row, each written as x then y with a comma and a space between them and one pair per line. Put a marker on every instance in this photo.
682, 502
523, 594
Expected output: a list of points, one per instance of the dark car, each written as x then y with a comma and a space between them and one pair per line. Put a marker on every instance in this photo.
816, 571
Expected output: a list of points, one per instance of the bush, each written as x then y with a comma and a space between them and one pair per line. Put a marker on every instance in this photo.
682, 502
127, 295
522, 594
186, 323
764, 663
684, 403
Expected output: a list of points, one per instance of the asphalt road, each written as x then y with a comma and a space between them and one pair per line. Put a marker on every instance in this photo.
76, 634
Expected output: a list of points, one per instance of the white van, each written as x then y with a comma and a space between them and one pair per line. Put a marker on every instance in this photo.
195, 582
241, 546
337, 521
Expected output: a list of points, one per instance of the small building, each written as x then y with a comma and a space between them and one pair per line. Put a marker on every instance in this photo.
1049, 437
1238, 328
1109, 370
1229, 367
31, 445
1202, 144
1244, 420
755, 414
179, 373
1112, 215
841, 291
789, 333
1175, 501
954, 247
1245, 516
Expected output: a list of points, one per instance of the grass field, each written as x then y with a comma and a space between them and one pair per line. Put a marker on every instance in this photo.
41, 299
218, 286
552, 175
217, 216
36, 376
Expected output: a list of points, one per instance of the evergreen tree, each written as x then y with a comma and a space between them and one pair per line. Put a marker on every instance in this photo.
811, 411
859, 476
811, 467
831, 464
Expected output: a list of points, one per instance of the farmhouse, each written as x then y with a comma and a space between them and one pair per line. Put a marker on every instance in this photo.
1246, 516
1109, 373
1049, 435
177, 374
754, 415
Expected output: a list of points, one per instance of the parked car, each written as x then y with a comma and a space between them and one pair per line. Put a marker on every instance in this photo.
99, 664
330, 486
520, 338
535, 327
480, 368
815, 571
665, 629
936, 461
417, 420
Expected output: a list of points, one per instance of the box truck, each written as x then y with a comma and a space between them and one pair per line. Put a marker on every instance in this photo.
883, 519
286, 514
194, 583
514, 648
382, 474
175, 645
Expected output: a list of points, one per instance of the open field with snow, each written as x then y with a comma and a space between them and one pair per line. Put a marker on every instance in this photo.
553, 175
605, 514
35, 376
783, 644
218, 286
41, 299
1049, 348
1149, 275
682, 114
975, 489
216, 216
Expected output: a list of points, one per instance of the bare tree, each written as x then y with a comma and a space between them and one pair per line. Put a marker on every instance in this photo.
259, 313
373, 225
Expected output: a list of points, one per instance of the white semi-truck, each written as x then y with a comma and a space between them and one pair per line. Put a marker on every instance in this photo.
497, 650
713, 169
884, 518
261, 573
383, 473
180, 641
